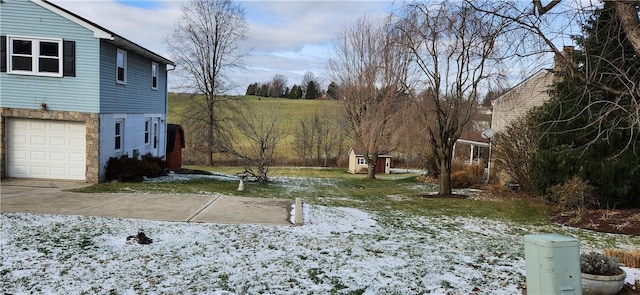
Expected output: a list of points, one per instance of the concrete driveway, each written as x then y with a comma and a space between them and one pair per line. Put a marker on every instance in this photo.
50, 197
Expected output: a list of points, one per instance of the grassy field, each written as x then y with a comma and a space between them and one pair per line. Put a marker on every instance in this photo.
291, 111
294, 109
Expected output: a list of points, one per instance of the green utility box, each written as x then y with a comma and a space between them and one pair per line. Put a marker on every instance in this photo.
552, 265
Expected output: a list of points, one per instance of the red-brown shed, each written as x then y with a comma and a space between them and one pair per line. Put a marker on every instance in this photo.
175, 144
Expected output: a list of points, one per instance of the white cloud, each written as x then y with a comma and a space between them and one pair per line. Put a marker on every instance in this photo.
284, 37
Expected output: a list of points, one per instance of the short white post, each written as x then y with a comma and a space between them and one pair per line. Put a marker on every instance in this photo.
241, 177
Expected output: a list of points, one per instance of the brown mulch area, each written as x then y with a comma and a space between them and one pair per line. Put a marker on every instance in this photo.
618, 221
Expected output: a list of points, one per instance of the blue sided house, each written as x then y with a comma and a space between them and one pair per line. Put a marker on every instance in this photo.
74, 94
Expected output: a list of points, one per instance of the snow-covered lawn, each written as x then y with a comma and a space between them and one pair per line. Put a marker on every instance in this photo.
338, 250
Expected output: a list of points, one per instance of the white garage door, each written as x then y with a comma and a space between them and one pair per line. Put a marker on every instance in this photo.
45, 149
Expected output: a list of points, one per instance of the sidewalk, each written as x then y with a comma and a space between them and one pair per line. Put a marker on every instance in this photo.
49, 197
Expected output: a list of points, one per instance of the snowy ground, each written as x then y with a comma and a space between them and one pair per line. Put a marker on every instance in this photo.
338, 250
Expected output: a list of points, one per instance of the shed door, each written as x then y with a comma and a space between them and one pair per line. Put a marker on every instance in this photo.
380, 165
45, 149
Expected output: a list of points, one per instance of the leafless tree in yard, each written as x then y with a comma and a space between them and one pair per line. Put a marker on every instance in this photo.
365, 63
320, 135
253, 136
205, 45
454, 49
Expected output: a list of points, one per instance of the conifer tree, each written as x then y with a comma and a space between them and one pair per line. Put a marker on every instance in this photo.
582, 130
312, 91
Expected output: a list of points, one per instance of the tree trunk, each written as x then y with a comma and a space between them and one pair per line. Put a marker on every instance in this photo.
372, 161
371, 170
628, 14
210, 131
262, 176
210, 144
445, 177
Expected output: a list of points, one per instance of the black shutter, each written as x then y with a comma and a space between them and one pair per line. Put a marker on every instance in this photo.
69, 58
3, 54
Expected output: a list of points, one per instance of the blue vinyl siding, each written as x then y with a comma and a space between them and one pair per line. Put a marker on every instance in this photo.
79, 93
136, 96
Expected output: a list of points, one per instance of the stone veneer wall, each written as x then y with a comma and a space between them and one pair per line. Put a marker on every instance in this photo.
92, 123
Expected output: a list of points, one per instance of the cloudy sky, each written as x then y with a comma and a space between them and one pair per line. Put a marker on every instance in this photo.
284, 37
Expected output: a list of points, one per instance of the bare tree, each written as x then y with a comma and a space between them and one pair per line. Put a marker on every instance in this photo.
364, 64
278, 85
205, 46
454, 50
253, 137
320, 135
513, 151
305, 136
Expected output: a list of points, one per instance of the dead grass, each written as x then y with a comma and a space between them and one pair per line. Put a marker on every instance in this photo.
608, 215
464, 176
629, 258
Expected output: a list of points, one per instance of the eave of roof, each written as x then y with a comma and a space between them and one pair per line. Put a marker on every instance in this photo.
358, 152
102, 33
541, 71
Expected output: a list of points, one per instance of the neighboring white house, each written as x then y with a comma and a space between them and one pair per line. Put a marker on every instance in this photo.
73, 94
358, 164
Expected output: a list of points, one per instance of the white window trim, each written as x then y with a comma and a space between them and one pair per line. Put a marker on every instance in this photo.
156, 130
361, 161
35, 56
124, 60
121, 135
154, 75
147, 131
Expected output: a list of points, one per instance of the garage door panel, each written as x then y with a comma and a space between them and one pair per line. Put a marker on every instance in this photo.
58, 156
38, 139
76, 142
19, 155
77, 129
77, 173
20, 124
76, 158
38, 171
37, 125
38, 156
58, 171
18, 138
20, 170
58, 128
58, 141
45, 149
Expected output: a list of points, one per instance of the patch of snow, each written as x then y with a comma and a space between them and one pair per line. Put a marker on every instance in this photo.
337, 250
174, 177
405, 171
633, 275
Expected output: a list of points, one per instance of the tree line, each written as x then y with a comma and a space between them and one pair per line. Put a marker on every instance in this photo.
309, 88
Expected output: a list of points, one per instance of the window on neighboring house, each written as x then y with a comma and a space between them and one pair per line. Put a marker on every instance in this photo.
155, 135
121, 67
119, 134
35, 56
154, 75
361, 161
147, 129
